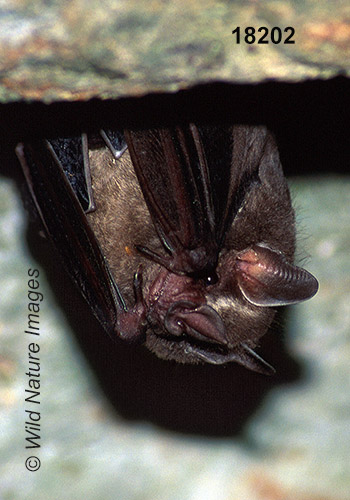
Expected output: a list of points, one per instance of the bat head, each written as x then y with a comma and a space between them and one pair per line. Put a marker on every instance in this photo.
193, 321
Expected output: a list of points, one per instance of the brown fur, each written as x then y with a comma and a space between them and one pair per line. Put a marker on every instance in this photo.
122, 220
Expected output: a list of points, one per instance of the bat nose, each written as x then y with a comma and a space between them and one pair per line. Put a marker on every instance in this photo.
200, 322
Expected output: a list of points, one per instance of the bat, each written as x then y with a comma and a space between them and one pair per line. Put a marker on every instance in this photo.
181, 238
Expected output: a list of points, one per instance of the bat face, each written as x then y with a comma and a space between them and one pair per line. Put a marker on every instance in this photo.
190, 245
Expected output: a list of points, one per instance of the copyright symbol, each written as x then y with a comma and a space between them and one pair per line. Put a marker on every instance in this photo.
33, 463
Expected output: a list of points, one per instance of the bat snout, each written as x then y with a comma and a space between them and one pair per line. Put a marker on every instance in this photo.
198, 321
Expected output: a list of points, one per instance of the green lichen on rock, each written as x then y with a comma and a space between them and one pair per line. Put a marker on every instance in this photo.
83, 49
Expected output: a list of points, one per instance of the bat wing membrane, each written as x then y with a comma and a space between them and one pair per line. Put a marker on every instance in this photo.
233, 153
173, 174
181, 173
65, 222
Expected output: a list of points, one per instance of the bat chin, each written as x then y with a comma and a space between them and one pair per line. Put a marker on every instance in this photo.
192, 351
184, 349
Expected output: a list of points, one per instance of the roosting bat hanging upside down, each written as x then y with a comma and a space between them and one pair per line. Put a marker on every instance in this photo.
181, 238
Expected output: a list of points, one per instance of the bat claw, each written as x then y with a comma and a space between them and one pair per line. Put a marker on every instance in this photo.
137, 284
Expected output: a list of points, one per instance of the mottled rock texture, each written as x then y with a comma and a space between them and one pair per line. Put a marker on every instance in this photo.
51, 50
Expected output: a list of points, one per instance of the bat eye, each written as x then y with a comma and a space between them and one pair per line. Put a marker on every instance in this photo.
211, 279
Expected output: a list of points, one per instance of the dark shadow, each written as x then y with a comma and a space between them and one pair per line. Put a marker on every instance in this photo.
311, 119
311, 122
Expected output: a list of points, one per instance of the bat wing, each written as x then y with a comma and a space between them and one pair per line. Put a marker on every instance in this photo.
233, 155
195, 180
173, 174
66, 224
73, 156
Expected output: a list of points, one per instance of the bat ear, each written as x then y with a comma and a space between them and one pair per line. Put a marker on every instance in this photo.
198, 321
266, 279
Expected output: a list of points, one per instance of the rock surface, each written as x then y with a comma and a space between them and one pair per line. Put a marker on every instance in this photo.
51, 50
